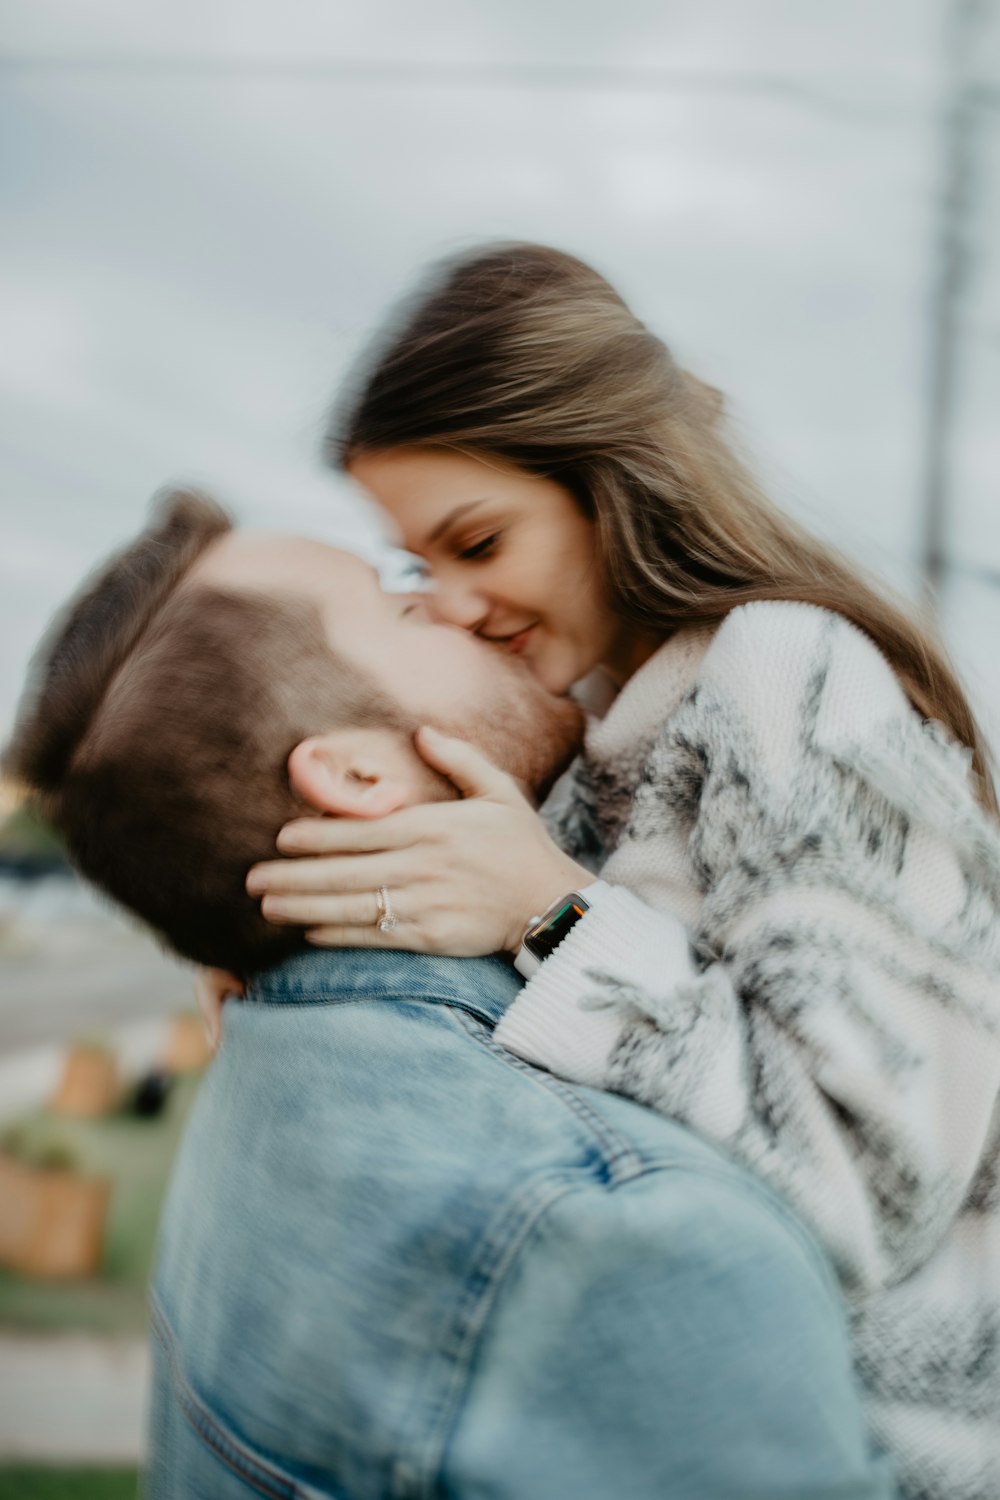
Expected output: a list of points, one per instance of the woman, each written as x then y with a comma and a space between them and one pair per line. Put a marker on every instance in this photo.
794, 945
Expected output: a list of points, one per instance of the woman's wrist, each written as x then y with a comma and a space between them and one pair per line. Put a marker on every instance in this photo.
557, 881
554, 926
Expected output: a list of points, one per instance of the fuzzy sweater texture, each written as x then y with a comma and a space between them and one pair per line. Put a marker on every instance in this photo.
800, 958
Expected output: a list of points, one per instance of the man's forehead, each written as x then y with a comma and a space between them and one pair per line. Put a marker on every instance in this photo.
275, 561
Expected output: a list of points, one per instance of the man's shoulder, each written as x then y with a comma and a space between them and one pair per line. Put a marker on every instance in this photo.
371, 1114
395, 1052
365, 1107
374, 1176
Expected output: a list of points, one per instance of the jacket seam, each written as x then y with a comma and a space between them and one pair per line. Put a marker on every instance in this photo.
621, 1159
450, 1002
245, 1464
421, 1473
487, 1275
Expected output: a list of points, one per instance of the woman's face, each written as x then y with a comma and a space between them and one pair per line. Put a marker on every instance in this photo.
511, 556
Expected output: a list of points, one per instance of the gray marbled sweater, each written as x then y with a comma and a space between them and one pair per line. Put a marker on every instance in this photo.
800, 957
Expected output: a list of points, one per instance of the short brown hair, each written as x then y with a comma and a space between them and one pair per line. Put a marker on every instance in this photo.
156, 728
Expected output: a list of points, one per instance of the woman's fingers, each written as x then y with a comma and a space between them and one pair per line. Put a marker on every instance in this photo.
315, 909
365, 937
345, 874
472, 772
352, 835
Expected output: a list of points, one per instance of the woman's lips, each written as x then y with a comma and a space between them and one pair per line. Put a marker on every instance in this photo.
517, 643
514, 644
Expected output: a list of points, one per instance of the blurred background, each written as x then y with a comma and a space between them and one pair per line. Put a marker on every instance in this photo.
204, 212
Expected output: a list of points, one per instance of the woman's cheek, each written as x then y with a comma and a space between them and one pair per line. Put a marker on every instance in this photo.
551, 670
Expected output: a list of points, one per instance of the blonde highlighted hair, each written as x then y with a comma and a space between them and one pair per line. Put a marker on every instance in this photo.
526, 355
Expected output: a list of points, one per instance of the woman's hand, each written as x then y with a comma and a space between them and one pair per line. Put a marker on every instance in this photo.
463, 878
212, 988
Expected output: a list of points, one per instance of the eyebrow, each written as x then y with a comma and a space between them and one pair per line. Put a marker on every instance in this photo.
451, 518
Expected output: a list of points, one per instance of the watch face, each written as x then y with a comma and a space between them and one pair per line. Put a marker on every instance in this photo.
550, 930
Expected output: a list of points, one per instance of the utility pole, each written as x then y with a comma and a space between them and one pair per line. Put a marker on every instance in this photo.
958, 131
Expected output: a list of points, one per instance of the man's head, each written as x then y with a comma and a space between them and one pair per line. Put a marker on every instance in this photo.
211, 684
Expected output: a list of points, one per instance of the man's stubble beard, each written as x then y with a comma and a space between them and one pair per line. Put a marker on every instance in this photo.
530, 734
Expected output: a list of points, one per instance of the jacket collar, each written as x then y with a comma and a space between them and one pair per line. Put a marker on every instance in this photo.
482, 986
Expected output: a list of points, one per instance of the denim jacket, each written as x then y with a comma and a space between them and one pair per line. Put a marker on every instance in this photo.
397, 1262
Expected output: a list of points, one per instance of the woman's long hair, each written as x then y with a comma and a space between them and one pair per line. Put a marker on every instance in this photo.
524, 354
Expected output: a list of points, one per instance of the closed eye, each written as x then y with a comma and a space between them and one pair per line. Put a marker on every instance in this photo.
480, 549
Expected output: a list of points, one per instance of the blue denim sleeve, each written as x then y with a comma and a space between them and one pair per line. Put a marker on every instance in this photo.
680, 1337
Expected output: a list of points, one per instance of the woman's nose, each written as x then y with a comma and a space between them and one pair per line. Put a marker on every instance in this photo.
455, 605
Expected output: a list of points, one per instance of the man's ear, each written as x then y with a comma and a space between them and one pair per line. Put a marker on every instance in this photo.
348, 774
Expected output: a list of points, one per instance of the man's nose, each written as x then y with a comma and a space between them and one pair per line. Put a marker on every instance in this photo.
457, 605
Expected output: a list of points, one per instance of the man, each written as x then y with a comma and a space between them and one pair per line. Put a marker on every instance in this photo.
394, 1259
212, 684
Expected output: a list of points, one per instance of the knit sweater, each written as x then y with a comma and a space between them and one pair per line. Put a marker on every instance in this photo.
800, 958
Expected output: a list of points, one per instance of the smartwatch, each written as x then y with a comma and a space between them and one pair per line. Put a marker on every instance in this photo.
544, 934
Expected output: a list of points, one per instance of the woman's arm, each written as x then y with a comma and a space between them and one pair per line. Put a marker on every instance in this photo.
835, 1019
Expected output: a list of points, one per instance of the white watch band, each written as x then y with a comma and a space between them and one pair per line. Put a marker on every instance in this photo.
526, 963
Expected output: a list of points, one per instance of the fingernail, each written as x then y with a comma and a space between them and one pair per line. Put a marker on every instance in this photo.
254, 886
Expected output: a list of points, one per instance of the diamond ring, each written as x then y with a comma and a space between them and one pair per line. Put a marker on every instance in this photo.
386, 921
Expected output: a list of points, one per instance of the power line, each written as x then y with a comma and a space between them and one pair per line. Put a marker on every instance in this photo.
361, 72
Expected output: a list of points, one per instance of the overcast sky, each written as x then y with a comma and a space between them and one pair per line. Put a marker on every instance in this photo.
205, 208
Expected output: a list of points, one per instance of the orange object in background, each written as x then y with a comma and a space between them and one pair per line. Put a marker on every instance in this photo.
52, 1223
89, 1085
187, 1048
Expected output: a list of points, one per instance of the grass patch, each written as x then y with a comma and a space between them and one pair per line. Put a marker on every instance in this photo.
137, 1155
20, 1482
30, 1306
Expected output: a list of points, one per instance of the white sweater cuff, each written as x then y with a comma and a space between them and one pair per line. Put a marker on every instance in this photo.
620, 946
